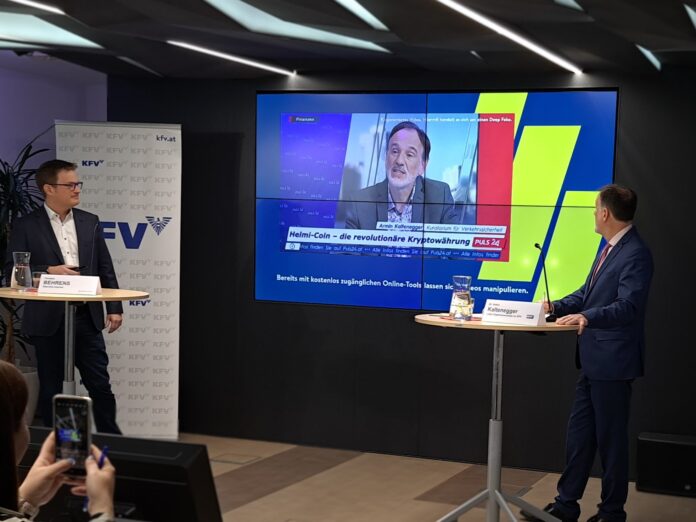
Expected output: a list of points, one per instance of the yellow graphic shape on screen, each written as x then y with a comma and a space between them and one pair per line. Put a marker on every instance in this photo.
502, 103
539, 168
573, 246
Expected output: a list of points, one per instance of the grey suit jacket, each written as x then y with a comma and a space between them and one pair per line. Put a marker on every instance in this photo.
432, 203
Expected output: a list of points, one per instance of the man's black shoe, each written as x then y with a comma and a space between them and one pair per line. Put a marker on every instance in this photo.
553, 511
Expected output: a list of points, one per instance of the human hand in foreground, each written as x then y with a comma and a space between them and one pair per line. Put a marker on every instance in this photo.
99, 484
46, 475
574, 319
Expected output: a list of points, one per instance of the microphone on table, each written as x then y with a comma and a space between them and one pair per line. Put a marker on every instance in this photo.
551, 317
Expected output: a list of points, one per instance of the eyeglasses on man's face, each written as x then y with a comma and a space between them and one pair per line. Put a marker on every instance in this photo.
71, 186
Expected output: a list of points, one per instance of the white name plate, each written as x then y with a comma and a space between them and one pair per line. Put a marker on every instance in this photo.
514, 312
69, 284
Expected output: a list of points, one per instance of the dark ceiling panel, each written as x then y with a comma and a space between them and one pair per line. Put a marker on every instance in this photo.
423, 35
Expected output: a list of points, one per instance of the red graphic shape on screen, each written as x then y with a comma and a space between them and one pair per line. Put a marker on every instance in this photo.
496, 152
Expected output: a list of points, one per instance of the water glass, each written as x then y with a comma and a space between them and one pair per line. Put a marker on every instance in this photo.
36, 278
460, 305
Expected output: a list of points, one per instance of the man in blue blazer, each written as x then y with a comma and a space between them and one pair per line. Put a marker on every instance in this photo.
610, 311
405, 196
67, 241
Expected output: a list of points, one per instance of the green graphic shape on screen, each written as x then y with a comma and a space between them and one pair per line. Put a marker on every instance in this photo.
539, 169
502, 103
573, 246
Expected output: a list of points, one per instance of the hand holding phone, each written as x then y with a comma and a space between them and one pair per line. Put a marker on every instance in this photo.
72, 426
45, 476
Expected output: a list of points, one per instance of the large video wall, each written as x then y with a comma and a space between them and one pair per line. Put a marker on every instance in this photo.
379, 199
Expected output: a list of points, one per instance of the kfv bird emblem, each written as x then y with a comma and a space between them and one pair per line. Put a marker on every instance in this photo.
158, 224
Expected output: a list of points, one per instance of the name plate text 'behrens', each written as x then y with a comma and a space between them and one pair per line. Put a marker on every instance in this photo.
514, 312
69, 284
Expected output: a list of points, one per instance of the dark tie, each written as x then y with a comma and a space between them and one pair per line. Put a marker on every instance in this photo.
602, 257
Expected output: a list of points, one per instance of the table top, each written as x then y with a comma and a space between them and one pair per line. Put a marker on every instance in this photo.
476, 324
108, 294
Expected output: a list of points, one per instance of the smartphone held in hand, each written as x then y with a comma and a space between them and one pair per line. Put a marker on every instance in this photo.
72, 424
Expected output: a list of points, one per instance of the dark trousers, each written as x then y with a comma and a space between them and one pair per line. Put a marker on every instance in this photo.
92, 361
598, 422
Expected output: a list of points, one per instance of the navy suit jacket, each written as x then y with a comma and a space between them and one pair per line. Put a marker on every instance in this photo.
612, 346
432, 203
33, 233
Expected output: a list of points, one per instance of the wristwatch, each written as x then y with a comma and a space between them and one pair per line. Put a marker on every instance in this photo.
27, 509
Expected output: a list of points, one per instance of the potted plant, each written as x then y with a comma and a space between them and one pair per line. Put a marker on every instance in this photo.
18, 196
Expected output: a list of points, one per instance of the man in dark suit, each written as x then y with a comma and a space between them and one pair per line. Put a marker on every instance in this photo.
64, 240
610, 311
405, 196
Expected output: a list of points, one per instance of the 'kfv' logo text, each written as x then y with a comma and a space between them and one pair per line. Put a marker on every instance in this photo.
132, 239
91, 163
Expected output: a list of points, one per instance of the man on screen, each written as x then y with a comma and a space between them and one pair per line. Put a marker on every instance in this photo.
64, 240
405, 196
610, 310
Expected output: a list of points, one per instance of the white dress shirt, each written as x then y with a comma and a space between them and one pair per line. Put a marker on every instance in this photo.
66, 235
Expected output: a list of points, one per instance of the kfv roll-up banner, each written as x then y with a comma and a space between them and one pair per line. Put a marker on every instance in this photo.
132, 181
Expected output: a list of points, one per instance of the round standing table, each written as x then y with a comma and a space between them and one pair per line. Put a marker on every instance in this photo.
71, 301
496, 498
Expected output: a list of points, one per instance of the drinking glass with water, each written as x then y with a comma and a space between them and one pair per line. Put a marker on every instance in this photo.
462, 304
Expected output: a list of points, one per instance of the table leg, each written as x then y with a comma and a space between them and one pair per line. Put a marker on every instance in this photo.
497, 500
495, 443
69, 366
495, 429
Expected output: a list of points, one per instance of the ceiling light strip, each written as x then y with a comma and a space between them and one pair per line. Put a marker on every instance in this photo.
692, 14
259, 21
651, 57
511, 35
232, 58
571, 4
139, 65
366, 16
39, 5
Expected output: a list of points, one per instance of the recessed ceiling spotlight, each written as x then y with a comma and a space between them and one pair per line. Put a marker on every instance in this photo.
232, 58
511, 35
39, 5
366, 16
651, 57
258, 21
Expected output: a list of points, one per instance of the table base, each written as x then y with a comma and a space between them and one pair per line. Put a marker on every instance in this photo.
497, 500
